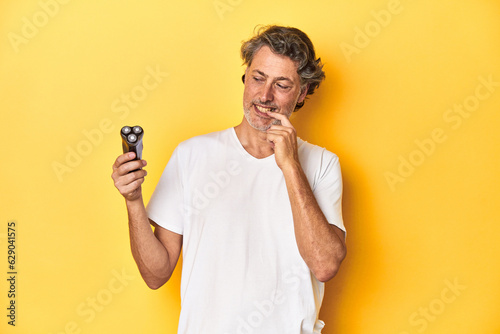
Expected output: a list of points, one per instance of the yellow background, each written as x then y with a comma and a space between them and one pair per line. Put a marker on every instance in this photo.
435, 226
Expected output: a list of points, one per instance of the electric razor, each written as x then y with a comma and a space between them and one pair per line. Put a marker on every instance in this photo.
132, 140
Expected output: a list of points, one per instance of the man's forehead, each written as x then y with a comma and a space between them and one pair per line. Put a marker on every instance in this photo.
271, 64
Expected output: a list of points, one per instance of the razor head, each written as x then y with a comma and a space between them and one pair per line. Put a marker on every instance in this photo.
132, 140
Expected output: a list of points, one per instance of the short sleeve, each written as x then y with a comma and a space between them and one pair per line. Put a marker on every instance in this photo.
166, 204
328, 189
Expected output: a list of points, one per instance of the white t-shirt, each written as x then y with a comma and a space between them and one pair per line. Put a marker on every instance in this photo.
242, 272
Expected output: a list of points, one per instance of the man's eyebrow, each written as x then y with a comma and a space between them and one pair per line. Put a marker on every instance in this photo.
277, 79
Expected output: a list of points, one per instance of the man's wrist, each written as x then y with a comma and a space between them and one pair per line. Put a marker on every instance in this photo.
135, 202
291, 168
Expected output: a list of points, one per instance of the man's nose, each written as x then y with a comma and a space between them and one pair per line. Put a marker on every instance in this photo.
266, 94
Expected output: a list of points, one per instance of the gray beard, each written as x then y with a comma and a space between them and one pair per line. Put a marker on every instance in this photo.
260, 128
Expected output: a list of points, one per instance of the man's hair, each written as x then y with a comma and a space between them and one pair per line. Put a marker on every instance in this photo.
294, 44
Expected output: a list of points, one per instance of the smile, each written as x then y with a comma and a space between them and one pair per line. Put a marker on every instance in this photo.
262, 111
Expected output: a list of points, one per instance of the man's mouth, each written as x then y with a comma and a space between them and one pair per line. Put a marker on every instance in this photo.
264, 110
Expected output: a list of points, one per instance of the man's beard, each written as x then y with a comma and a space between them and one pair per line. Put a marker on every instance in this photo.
248, 116
261, 127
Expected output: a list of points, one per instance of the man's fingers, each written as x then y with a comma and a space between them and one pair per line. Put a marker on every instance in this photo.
123, 158
129, 188
276, 137
278, 133
131, 177
284, 120
130, 166
280, 129
128, 175
124, 182
273, 135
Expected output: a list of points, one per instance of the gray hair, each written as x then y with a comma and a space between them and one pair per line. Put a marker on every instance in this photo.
294, 44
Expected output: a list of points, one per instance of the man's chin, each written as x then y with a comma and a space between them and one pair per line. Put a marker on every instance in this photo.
261, 126
259, 123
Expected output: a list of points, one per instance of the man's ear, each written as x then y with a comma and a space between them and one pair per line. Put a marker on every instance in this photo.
244, 75
303, 93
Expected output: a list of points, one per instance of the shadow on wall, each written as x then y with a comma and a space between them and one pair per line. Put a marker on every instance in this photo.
321, 111
355, 269
316, 123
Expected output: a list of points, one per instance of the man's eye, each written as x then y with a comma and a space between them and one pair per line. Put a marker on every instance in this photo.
282, 86
257, 79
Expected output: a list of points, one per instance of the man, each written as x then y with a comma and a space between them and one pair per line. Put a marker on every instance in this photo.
256, 210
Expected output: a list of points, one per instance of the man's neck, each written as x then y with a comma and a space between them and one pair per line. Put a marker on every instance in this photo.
254, 141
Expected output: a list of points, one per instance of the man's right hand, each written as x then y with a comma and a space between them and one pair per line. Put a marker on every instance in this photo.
127, 182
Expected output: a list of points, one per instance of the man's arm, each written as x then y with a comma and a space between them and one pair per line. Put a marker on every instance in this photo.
320, 244
155, 253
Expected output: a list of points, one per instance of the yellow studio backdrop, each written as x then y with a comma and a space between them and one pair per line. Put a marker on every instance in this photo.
410, 105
